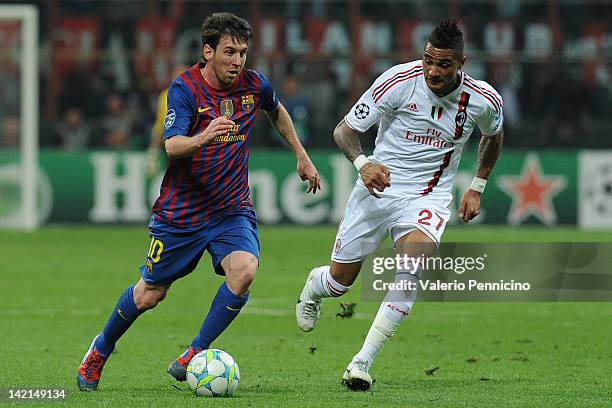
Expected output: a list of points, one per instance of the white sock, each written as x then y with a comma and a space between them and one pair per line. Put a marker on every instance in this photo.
324, 285
395, 307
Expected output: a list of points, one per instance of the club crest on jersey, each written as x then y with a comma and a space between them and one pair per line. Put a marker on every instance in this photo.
460, 118
362, 111
461, 114
247, 102
227, 108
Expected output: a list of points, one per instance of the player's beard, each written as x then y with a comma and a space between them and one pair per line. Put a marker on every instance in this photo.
233, 73
448, 86
226, 79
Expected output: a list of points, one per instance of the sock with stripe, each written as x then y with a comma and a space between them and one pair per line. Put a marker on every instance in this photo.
120, 320
224, 309
324, 285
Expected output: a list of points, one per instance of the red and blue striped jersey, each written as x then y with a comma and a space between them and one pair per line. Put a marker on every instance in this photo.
213, 182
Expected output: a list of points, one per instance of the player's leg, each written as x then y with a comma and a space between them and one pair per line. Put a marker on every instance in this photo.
133, 302
240, 268
235, 253
324, 281
393, 310
168, 259
360, 233
136, 300
416, 233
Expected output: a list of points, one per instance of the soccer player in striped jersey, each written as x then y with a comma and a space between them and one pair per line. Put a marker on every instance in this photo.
425, 111
204, 201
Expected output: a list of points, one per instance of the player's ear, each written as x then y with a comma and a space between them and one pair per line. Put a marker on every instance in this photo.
207, 52
461, 63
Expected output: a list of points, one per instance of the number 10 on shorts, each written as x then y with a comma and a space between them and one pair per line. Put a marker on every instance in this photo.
155, 249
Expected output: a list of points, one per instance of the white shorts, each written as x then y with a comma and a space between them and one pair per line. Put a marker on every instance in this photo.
368, 221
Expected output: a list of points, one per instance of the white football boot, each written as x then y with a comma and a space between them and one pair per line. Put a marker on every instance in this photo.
356, 376
307, 311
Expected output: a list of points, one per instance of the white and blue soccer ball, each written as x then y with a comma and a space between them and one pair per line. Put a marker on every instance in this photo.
213, 373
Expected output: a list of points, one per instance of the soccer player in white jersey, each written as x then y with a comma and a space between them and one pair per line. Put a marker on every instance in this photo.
425, 111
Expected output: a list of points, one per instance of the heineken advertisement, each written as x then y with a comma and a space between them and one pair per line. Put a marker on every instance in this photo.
112, 187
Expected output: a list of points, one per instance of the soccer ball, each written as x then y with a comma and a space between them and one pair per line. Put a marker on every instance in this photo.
213, 373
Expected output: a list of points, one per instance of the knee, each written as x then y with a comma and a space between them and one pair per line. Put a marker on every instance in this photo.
245, 270
242, 273
148, 298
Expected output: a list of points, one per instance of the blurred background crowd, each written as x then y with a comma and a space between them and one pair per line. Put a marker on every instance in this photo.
103, 64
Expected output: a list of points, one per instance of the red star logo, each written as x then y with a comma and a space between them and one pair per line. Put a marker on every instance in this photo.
532, 192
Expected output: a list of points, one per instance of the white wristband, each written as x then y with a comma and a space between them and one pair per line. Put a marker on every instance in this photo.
360, 161
478, 184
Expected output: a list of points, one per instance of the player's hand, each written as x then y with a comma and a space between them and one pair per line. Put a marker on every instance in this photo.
217, 127
307, 171
470, 205
375, 177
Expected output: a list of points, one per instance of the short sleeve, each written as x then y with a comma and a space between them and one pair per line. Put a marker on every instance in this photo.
269, 100
384, 96
491, 121
181, 110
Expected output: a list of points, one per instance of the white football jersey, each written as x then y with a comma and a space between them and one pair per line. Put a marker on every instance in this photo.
421, 135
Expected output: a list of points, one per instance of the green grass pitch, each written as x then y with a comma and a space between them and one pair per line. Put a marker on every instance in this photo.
59, 284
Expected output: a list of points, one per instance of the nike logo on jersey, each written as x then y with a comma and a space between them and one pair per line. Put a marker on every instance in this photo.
202, 109
233, 309
120, 313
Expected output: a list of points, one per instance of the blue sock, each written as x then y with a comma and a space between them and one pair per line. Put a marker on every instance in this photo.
119, 321
224, 309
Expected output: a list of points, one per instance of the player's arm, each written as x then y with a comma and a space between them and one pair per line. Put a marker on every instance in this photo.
382, 98
488, 152
179, 119
280, 119
179, 146
375, 176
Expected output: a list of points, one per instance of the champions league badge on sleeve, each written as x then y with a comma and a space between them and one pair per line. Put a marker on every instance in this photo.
362, 111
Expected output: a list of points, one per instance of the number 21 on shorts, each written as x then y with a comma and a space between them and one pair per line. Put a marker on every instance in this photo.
426, 215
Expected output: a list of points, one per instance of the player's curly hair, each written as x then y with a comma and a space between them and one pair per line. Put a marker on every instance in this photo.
219, 24
448, 36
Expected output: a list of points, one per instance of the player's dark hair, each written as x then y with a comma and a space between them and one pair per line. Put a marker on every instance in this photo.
448, 36
219, 24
